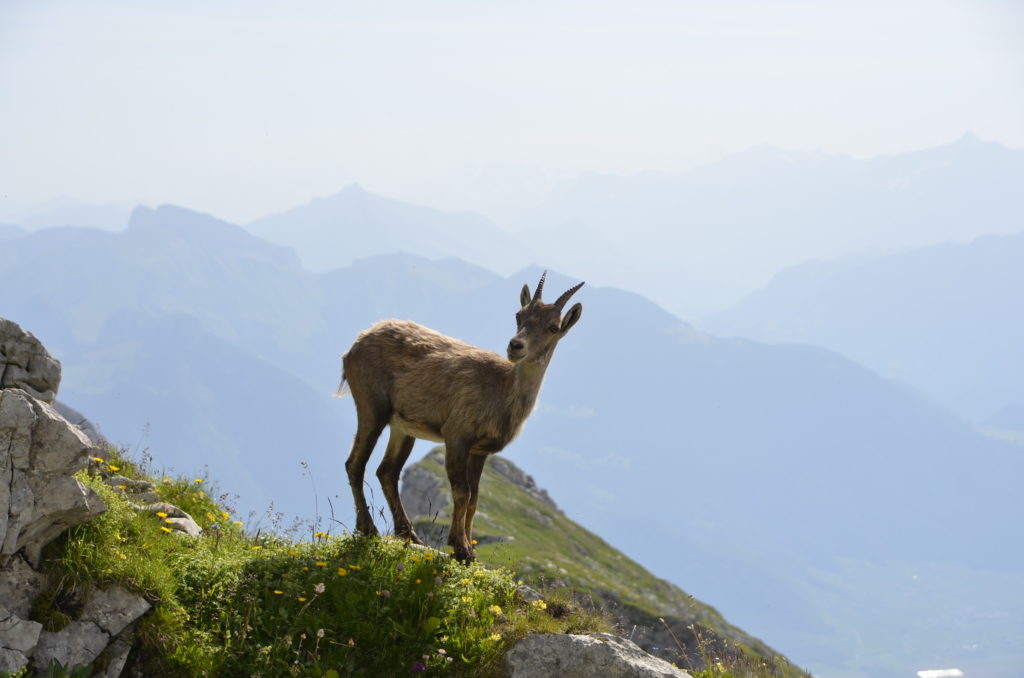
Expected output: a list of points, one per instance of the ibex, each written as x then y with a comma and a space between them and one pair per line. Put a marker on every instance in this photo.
426, 385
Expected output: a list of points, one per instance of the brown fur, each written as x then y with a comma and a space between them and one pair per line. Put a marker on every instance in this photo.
426, 385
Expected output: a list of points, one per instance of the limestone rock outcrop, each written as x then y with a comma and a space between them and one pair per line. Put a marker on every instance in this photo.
40, 451
579, 656
25, 364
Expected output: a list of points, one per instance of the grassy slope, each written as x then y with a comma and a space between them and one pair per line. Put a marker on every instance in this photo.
232, 603
549, 550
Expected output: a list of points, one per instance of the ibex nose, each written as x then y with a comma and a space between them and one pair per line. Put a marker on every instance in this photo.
516, 345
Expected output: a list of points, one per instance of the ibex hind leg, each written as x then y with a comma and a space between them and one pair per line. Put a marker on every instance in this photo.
367, 433
399, 448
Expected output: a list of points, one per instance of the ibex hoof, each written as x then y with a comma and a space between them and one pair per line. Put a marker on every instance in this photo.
464, 556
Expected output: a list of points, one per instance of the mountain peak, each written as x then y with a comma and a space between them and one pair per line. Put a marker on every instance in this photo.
209, 231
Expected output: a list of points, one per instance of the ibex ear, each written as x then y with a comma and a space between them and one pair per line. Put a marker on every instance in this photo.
524, 296
570, 318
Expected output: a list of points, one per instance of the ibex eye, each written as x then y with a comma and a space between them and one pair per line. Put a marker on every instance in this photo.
553, 329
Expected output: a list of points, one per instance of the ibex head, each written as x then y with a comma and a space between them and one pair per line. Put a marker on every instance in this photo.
540, 326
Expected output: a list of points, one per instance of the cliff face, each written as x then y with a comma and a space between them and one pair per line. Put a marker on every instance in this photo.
519, 526
39, 498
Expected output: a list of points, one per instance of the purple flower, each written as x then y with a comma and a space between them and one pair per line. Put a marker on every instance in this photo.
418, 667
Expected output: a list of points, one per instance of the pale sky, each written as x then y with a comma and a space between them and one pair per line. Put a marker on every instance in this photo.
242, 108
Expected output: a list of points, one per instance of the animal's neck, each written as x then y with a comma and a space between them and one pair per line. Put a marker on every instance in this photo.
527, 377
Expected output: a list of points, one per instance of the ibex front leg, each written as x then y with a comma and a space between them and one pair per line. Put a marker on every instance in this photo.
475, 468
456, 460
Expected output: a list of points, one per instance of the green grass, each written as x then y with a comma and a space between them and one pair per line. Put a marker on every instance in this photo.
232, 603
552, 552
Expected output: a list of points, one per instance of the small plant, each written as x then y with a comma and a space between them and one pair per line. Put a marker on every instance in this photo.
58, 670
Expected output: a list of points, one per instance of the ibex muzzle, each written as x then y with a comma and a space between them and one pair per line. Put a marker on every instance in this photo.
423, 384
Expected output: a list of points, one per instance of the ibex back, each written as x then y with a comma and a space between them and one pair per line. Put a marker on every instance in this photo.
426, 385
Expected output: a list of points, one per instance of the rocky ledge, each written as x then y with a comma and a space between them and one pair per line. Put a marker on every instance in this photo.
40, 451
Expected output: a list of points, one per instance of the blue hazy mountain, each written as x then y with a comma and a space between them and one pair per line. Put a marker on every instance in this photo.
698, 241
945, 318
790, 487
71, 212
334, 231
9, 231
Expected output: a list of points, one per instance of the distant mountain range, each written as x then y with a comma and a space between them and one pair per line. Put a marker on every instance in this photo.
763, 478
944, 318
695, 242
335, 231
698, 241
69, 212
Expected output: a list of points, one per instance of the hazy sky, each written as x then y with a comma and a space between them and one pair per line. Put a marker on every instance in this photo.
240, 108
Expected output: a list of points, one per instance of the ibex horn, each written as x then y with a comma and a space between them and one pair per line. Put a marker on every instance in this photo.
565, 296
540, 286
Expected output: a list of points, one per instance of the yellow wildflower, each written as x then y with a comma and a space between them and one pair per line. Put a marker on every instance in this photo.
169, 521
474, 542
122, 487
540, 604
202, 495
301, 599
495, 637
495, 609
199, 480
321, 563
166, 480
256, 548
467, 599
354, 567
161, 514
99, 460
165, 529
342, 571
113, 468
238, 522
278, 592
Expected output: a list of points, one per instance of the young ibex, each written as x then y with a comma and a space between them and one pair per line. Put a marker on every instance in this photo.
426, 385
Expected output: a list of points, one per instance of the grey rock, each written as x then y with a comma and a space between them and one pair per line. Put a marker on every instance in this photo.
76, 644
424, 494
25, 364
574, 656
114, 609
130, 485
20, 585
520, 479
177, 519
106, 614
39, 498
528, 594
117, 654
76, 418
141, 492
186, 525
18, 637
